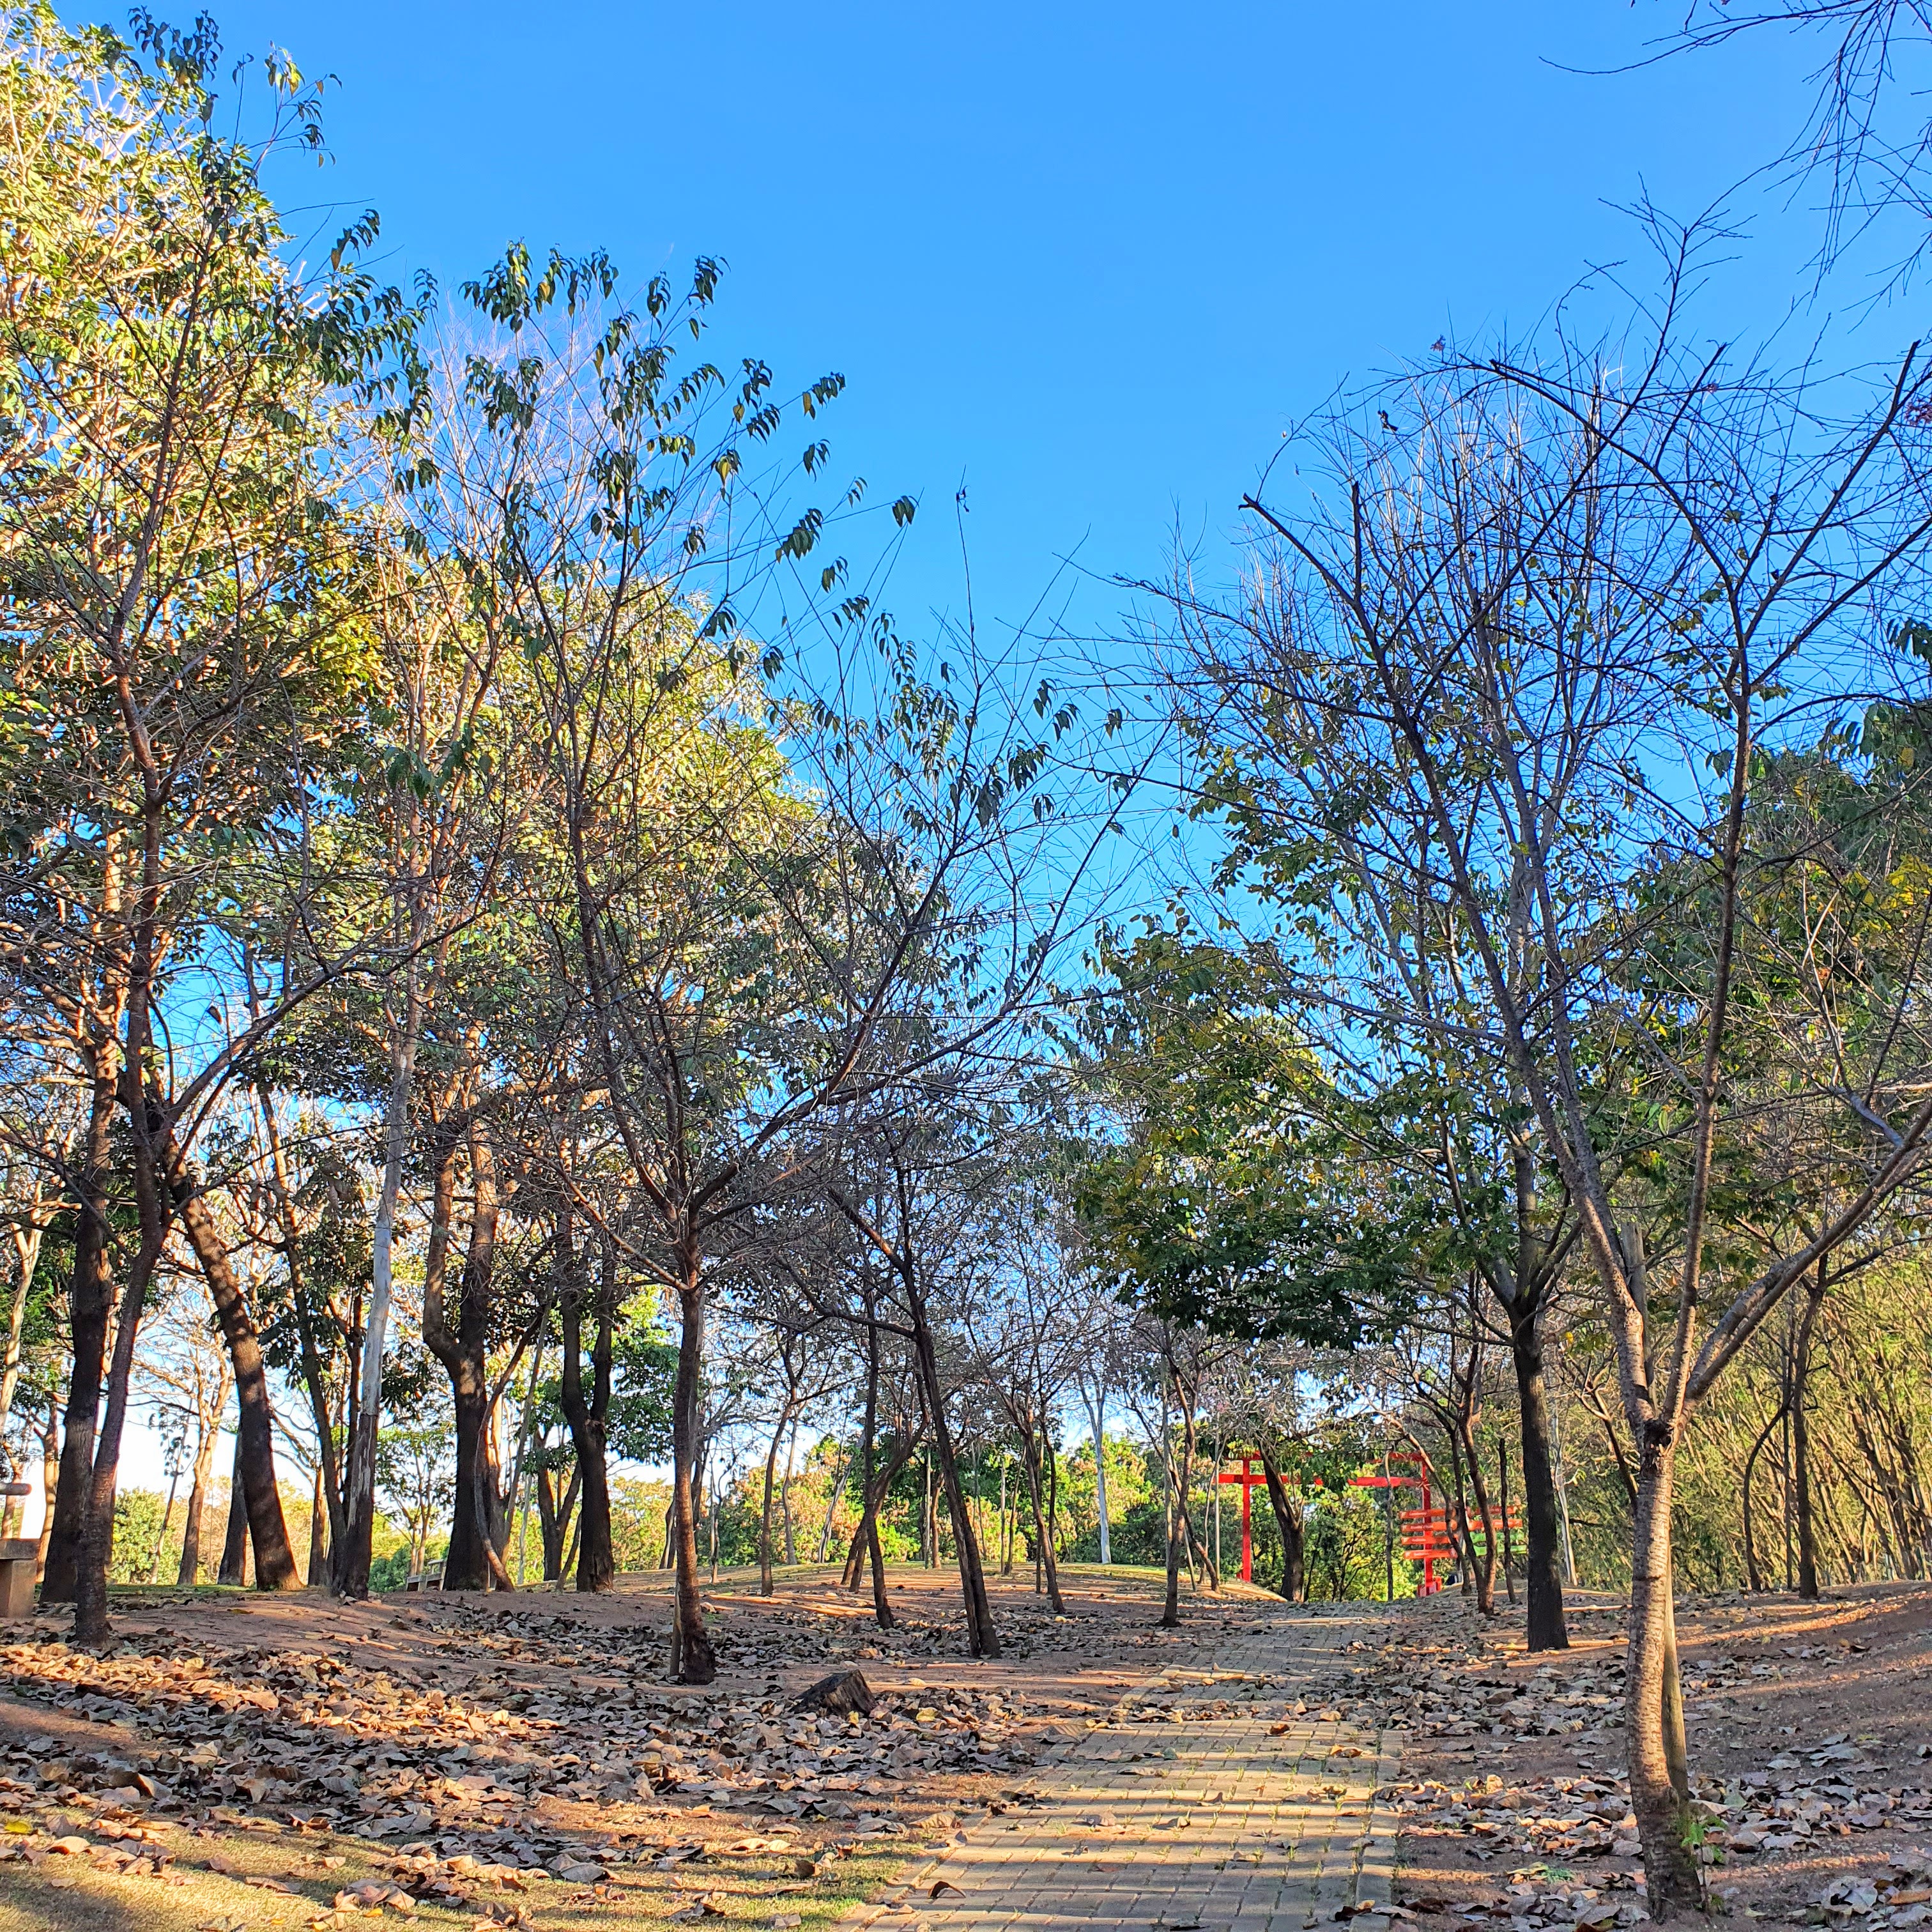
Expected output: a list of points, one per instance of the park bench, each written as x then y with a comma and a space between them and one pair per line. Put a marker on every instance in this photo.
429, 1577
19, 1558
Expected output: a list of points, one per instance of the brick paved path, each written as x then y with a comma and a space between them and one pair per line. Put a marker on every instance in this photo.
1153, 1825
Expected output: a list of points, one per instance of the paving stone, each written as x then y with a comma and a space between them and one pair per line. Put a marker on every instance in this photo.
1239, 1788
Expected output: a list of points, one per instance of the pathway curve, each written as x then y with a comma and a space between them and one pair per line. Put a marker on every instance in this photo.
1241, 1816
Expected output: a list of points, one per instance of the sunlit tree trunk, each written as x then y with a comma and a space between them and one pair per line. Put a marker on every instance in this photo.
353, 1556
1653, 1701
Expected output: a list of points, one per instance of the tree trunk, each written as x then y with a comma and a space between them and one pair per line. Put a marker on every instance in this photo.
1170, 1615
1288, 1521
1481, 1571
274, 1560
765, 1586
554, 1519
318, 1535
1052, 1468
90, 1304
189, 1572
1005, 1521
693, 1660
328, 1470
1181, 1534
154, 1568
868, 1443
874, 1486
589, 1418
50, 1483
1503, 1517
1545, 1626
1096, 1411
981, 1639
235, 1539
1653, 1708
353, 1556
1800, 1442
839, 1473
27, 1241
97, 1532
865, 1549
1479, 1488
463, 1351
1030, 1451
1753, 1576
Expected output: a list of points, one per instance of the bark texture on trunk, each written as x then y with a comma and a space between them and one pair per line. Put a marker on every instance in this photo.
554, 1516
318, 1535
97, 1533
328, 1466
1653, 1710
1546, 1628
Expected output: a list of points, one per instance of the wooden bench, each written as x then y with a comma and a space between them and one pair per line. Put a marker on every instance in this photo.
20, 1557
429, 1577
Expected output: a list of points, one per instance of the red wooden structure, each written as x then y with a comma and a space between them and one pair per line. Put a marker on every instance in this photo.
1428, 1534
1248, 1478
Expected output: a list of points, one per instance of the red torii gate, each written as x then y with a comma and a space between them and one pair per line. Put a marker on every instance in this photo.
1247, 1478
1426, 1535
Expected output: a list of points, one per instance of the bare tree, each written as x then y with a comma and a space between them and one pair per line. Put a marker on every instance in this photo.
1464, 675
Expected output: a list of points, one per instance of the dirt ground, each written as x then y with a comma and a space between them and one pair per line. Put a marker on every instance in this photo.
234, 1760
1810, 1728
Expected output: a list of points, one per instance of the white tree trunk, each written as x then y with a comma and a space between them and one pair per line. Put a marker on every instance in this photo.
1096, 1405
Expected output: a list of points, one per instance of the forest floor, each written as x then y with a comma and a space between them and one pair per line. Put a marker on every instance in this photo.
1810, 1727
235, 1761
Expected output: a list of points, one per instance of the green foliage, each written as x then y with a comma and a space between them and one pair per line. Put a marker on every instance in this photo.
137, 1527
1230, 1203
1346, 1547
644, 1380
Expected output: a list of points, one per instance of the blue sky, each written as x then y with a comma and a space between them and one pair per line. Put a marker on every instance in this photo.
1087, 261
